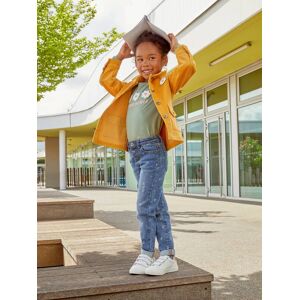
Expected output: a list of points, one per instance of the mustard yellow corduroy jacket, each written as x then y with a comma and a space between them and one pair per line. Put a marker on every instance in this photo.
111, 126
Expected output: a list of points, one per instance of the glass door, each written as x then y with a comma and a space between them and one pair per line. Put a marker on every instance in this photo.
100, 166
115, 166
215, 156
195, 156
122, 175
109, 166
179, 165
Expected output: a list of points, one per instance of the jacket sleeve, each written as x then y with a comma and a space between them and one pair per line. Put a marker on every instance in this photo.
185, 69
108, 78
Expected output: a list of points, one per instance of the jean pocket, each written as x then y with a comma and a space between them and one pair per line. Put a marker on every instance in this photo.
151, 147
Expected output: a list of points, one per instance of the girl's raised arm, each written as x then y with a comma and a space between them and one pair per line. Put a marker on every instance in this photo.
181, 74
108, 78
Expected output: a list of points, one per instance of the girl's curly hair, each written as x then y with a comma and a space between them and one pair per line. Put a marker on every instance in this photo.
148, 36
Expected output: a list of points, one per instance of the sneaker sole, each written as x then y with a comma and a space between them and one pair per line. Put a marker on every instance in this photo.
173, 269
136, 273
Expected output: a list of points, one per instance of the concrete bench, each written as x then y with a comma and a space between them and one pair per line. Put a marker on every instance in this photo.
64, 208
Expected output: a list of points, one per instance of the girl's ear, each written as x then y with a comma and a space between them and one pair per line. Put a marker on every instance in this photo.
165, 60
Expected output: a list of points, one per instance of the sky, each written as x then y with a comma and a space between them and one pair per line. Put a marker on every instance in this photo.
123, 15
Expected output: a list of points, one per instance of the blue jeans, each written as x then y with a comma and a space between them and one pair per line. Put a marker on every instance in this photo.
149, 161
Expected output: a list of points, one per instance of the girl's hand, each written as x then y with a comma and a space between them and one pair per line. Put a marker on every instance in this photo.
124, 52
174, 42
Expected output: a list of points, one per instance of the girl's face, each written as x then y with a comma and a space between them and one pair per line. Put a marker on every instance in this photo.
149, 60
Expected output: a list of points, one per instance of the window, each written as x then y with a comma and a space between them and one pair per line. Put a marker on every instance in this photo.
122, 177
228, 152
250, 85
195, 106
217, 98
100, 166
179, 110
250, 150
195, 157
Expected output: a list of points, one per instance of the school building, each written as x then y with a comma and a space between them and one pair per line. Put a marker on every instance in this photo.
219, 110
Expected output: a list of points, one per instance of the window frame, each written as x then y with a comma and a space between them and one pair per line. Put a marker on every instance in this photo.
212, 86
191, 96
177, 102
240, 74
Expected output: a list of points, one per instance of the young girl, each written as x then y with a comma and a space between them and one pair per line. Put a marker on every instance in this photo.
142, 116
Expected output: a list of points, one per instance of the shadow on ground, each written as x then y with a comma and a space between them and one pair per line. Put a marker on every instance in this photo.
245, 287
126, 220
234, 287
108, 275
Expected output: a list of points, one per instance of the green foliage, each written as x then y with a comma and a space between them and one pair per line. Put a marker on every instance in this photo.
60, 49
251, 151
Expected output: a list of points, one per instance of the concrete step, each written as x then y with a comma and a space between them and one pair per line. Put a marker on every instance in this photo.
64, 208
93, 261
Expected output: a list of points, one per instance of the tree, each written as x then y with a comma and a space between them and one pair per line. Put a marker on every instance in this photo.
251, 151
60, 49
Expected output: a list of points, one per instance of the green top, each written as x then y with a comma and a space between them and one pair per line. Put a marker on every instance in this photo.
143, 120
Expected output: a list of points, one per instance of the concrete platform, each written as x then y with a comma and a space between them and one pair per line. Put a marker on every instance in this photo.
218, 236
95, 259
55, 205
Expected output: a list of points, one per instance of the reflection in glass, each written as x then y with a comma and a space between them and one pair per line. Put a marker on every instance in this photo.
179, 110
86, 170
228, 154
250, 85
195, 157
76, 163
88, 167
250, 150
115, 167
214, 157
109, 166
217, 98
84, 167
122, 177
93, 167
195, 106
100, 179
179, 167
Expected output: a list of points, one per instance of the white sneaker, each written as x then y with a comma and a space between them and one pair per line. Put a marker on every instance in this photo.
141, 263
164, 264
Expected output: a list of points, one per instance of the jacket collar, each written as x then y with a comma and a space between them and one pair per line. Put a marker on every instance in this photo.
140, 78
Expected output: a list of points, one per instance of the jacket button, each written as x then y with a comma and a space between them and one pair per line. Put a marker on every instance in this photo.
157, 102
165, 116
152, 91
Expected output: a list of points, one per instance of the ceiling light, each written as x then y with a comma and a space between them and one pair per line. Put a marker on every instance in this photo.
232, 52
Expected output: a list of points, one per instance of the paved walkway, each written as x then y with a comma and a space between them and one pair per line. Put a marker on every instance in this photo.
223, 238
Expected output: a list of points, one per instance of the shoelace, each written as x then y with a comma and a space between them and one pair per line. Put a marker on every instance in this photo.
160, 260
